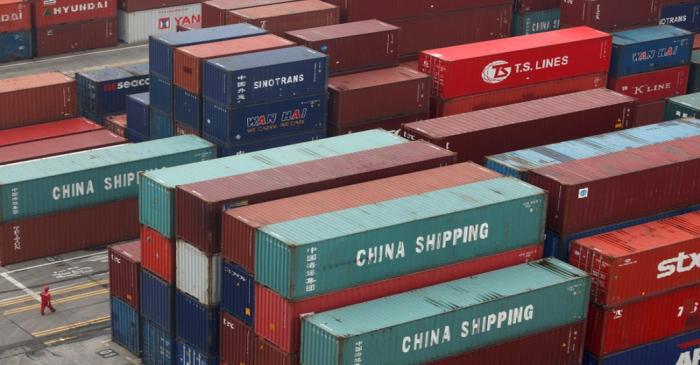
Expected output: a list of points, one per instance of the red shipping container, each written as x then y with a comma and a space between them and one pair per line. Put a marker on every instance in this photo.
493, 65
238, 236
138, 5
191, 26
199, 205
610, 14
49, 13
649, 113
267, 353
214, 11
75, 37
124, 272
517, 94
378, 42
391, 124
15, 15
525, 6
696, 41
158, 254
621, 186
354, 10
558, 346
46, 130
481, 133
653, 86
188, 62
640, 261
281, 18
619, 328
72, 230
116, 124
58, 146
19, 95
380, 94
279, 320
236, 341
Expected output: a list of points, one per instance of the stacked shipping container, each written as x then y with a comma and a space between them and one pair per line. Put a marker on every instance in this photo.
536, 16
139, 19
15, 30
102, 93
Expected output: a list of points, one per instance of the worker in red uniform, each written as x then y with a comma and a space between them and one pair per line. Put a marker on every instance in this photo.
46, 300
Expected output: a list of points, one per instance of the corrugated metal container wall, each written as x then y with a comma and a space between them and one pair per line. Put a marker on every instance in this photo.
161, 124
214, 11
74, 37
16, 46
188, 355
18, 96
197, 323
188, 108
523, 6
694, 78
126, 325
653, 86
678, 350
16, 16
237, 341
46, 130
138, 5
683, 106
161, 93
281, 18
116, 124
104, 92
157, 301
71, 230
610, 14
138, 115
158, 345
650, 113
650, 49
390, 124
237, 292
190, 26
269, 143
124, 272
520, 296
140, 25
181, 129
267, 353
197, 274
48, 13
684, 16
354, 10
536, 21
158, 254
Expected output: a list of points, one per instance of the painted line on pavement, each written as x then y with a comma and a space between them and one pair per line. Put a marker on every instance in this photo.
58, 290
16, 283
70, 326
103, 252
71, 298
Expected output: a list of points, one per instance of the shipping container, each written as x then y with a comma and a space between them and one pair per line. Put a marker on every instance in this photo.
457, 316
237, 341
116, 124
267, 76
158, 345
654, 85
188, 355
520, 163
18, 96
237, 292
378, 41
610, 14
161, 124
214, 11
649, 113
16, 46
138, 115
604, 190
267, 353
536, 21
684, 16
477, 134
680, 350
139, 26
41, 131
138, 5
197, 323
161, 93
199, 205
268, 143
125, 325
524, 6
367, 96
498, 64
157, 300
182, 129
188, 109
125, 272
389, 124
281, 18
684, 106
190, 26
16, 16
157, 188
694, 78
279, 320
104, 92
197, 274
74, 37
59, 146
649, 49
158, 254
52, 13
77, 229
354, 10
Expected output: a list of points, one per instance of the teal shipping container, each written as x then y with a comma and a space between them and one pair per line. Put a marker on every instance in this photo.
694, 79
536, 22
519, 163
372, 242
55, 184
428, 324
684, 106
157, 188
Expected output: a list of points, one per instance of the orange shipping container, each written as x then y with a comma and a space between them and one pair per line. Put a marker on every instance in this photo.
28, 100
282, 18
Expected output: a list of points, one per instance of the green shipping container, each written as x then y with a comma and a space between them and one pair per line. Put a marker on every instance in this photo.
447, 319
157, 189
61, 183
361, 245
536, 22
684, 106
694, 79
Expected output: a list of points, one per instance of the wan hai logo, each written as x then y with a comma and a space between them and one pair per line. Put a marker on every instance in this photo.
496, 72
164, 23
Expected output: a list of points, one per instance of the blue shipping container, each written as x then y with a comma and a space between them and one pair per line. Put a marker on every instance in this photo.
265, 76
536, 22
239, 149
160, 48
161, 93
684, 16
103, 92
138, 115
197, 323
188, 355
158, 345
161, 124
260, 121
678, 350
157, 301
16, 46
648, 49
126, 326
237, 292
188, 108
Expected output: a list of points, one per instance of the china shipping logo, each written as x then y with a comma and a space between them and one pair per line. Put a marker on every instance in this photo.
164, 23
496, 72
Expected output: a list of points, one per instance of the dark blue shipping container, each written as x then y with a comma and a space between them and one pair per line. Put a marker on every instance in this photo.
197, 323
265, 76
678, 350
160, 48
126, 326
133, 136
157, 301
557, 246
648, 49
188, 108
103, 92
188, 355
261, 121
238, 149
237, 292
138, 114
161, 124
161, 93
137, 68
15, 46
684, 16
158, 345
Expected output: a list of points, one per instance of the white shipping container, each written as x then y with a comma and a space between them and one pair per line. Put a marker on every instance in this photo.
197, 274
139, 25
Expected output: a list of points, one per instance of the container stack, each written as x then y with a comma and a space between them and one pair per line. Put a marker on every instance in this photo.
535, 16
214, 12
18, 97
610, 15
15, 30
140, 19
138, 116
124, 288
102, 93
684, 14
279, 18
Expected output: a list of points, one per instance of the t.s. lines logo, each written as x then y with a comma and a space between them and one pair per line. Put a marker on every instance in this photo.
496, 72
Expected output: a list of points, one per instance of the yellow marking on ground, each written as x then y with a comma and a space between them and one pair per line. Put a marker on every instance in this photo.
58, 301
26, 297
70, 326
